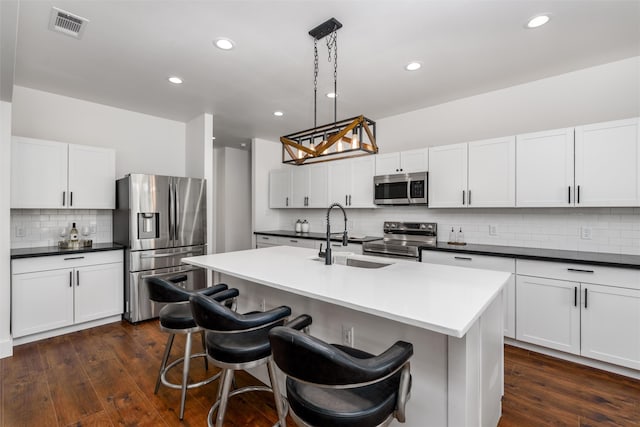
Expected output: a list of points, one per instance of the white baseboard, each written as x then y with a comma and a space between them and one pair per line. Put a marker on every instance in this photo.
6, 348
66, 330
620, 370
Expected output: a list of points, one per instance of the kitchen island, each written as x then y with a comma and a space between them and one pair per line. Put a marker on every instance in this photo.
451, 315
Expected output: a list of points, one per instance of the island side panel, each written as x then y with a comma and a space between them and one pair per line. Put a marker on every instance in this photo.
428, 403
476, 372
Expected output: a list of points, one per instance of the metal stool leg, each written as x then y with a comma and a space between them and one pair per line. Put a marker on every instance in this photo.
275, 386
185, 373
204, 350
224, 398
167, 350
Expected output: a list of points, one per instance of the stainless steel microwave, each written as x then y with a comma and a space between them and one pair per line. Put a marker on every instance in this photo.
401, 189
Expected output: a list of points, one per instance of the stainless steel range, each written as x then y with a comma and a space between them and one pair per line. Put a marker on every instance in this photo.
402, 239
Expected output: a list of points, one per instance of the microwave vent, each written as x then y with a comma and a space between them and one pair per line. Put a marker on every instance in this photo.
67, 23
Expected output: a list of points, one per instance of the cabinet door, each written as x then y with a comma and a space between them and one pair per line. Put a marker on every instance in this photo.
544, 169
448, 176
492, 173
92, 177
318, 195
41, 301
548, 313
98, 292
611, 324
39, 174
361, 193
414, 160
339, 181
279, 188
607, 161
388, 164
299, 186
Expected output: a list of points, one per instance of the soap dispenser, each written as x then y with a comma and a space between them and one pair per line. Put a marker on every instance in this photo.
452, 236
460, 237
298, 226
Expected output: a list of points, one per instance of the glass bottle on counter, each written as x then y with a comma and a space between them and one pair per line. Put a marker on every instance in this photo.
452, 236
460, 237
73, 233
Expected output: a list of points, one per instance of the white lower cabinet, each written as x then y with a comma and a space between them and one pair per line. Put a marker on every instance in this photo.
487, 263
265, 241
569, 313
53, 292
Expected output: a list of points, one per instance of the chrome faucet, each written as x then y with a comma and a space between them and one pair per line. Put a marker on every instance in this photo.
345, 239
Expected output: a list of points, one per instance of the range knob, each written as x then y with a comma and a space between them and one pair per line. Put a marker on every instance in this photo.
386, 225
423, 226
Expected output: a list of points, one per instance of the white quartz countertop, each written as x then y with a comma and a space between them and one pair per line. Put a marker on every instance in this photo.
440, 298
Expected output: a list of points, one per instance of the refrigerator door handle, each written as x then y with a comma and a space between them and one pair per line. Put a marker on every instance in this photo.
172, 213
166, 255
171, 273
176, 213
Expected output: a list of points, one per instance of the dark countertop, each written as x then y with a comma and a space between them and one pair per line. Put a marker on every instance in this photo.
54, 250
578, 257
312, 236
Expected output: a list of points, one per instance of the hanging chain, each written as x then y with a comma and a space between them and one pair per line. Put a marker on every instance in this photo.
315, 82
332, 45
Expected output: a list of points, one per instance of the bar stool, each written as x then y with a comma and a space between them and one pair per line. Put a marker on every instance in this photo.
241, 341
176, 318
334, 385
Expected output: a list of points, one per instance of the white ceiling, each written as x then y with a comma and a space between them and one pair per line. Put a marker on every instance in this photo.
129, 49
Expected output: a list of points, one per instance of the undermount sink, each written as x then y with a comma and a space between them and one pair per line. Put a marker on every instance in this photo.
355, 262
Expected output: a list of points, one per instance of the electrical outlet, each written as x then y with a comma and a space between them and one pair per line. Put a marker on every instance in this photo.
493, 230
586, 233
263, 305
348, 335
20, 231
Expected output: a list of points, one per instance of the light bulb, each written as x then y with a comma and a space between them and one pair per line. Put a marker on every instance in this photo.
339, 148
355, 143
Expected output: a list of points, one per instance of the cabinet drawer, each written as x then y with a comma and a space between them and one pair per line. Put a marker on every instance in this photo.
297, 242
270, 240
583, 273
27, 265
460, 259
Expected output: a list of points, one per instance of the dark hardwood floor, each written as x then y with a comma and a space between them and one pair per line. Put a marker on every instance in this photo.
105, 377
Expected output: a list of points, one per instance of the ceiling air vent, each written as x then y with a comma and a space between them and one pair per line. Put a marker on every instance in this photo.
67, 23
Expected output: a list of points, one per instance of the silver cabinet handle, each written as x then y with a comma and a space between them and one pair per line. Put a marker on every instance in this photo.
77, 277
74, 257
463, 258
349, 199
463, 195
286, 202
569, 195
469, 197
71, 279
293, 241
346, 200
70, 198
64, 196
578, 196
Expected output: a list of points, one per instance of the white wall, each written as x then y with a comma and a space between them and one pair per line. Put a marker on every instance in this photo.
5, 189
591, 95
606, 92
233, 202
194, 146
265, 155
143, 143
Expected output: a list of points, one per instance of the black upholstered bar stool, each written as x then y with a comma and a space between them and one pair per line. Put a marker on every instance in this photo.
176, 318
241, 341
334, 385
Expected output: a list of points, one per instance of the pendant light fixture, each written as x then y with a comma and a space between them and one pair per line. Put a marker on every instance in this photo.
341, 139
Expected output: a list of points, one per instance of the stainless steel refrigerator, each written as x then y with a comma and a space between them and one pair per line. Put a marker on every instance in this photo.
160, 219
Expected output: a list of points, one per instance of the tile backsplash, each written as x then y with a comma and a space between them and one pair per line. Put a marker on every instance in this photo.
612, 230
45, 227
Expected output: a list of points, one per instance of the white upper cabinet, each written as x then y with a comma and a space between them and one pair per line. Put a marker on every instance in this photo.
403, 162
492, 173
607, 164
351, 182
38, 174
92, 177
448, 176
309, 187
279, 188
49, 174
544, 169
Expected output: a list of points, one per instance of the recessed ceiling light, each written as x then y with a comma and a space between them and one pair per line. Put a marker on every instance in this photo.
224, 43
413, 66
331, 95
278, 113
175, 80
213, 138
243, 144
538, 21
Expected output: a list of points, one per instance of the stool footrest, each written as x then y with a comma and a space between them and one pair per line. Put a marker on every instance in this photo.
176, 362
241, 390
